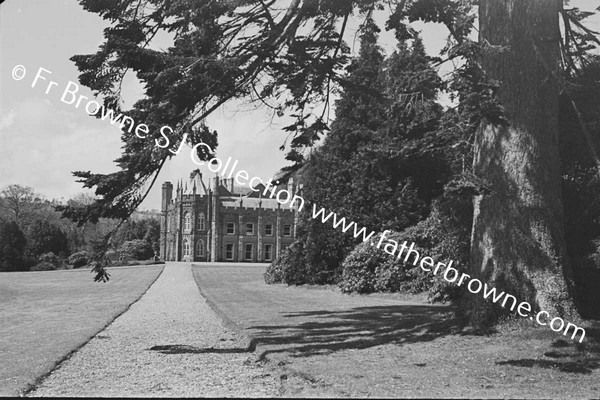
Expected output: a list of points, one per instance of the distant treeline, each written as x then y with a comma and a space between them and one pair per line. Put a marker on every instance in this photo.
34, 236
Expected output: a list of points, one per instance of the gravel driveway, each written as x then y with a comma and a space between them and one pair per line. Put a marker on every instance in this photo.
169, 343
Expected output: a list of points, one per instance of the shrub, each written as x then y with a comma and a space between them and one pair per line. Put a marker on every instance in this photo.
314, 258
324, 250
359, 269
127, 263
443, 236
289, 267
275, 270
79, 259
113, 255
370, 269
44, 266
137, 249
51, 258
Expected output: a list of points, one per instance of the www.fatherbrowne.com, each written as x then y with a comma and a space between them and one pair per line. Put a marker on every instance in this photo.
70, 96
450, 274
392, 247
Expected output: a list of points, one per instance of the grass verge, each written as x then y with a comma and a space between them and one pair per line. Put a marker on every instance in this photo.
48, 315
330, 344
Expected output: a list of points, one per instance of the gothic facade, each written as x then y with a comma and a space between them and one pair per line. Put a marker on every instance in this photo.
222, 222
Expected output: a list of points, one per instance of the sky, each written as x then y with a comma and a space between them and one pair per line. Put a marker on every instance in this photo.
43, 139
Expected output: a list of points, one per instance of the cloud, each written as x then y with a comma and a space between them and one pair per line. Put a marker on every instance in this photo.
7, 120
43, 144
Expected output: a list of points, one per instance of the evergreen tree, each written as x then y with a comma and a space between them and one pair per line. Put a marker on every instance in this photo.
360, 111
376, 166
44, 237
12, 247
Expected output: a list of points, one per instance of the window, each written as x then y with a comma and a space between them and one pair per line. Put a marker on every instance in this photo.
230, 228
268, 252
229, 251
186, 247
187, 221
200, 248
269, 229
287, 230
248, 251
249, 229
201, 222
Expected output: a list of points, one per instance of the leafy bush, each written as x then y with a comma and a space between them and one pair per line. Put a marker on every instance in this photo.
51, 258
370, 269
43, 266
314, 258
289, 267
137, 249
112, 255
443, 236
360, 269
79, 259
275, 270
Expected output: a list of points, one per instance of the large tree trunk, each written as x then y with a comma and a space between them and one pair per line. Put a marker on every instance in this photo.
517, 242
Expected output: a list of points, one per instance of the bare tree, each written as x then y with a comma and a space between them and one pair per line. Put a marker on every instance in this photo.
20, 202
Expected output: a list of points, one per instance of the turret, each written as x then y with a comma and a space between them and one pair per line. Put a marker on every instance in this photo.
167, 195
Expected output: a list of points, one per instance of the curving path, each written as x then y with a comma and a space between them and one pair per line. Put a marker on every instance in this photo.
169, 343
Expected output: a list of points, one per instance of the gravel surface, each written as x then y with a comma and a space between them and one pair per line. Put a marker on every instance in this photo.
169, 343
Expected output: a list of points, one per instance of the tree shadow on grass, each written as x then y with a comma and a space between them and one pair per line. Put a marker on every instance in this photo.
567, 355
579, 367
322, 332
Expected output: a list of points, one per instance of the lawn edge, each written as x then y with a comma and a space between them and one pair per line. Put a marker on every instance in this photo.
40, 379
277, 362
251, 341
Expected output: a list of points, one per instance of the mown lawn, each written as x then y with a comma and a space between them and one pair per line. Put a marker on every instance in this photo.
46, 315
330, 344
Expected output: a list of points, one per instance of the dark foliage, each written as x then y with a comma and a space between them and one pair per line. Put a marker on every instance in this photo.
145, 229
287, 58
137, 249
12, 247
391, 147
45, 237
52, 259
44, 266
384, 160
444, 236
79, 259
289, 267
581, 181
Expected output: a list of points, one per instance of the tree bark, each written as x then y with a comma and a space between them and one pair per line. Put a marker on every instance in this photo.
517, 242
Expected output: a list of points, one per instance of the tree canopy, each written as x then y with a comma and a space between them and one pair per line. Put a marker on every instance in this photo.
285, 55
290, 55
12, 247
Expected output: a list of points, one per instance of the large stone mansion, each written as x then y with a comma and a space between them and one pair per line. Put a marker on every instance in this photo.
222, 222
